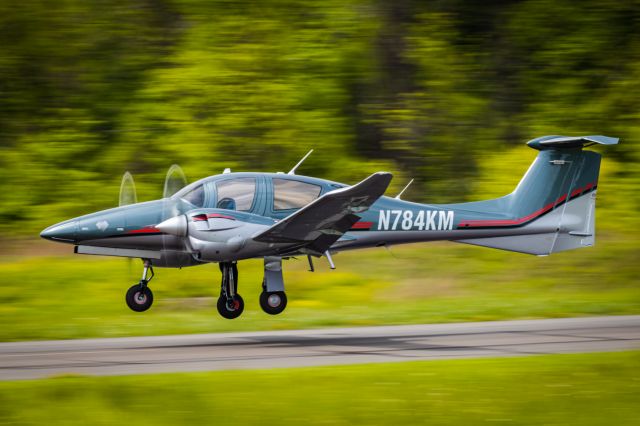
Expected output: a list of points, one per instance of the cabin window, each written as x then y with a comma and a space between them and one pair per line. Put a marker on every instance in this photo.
195, 196
292, 194
236, 194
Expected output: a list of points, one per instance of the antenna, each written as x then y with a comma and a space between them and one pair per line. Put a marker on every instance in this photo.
293, 171
404, 189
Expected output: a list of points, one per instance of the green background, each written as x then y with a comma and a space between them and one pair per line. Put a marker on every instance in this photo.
425, 90
445, 92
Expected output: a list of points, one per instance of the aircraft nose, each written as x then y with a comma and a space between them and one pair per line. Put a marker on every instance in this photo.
63, 231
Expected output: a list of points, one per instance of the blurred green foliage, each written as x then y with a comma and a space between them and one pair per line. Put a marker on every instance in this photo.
578, 389
445, 92
72, 296
422, 89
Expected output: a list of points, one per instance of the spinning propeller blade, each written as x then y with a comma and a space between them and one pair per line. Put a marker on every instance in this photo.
127, 190
175, 181
128, 196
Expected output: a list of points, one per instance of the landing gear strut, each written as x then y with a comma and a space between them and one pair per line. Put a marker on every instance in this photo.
230, 303
139, 297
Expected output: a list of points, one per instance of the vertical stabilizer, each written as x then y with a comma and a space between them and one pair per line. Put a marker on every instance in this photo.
553, 207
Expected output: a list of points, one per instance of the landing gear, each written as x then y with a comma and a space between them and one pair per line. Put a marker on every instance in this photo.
139, 297
230, 308
230, 304
273, 302
273, 299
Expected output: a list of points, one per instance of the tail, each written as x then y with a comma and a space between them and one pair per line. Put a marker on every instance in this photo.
553, 207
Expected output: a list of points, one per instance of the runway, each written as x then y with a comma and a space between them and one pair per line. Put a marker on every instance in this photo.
277, 349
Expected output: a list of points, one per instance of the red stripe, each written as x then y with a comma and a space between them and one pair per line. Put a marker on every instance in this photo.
576, 192
146, 230
508, 222
362, 225
220, 216
561, 199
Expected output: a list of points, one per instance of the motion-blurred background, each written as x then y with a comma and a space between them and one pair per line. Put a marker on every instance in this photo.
445, 92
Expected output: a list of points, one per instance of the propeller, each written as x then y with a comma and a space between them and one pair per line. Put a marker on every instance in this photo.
127, 196
127, 190
173, 182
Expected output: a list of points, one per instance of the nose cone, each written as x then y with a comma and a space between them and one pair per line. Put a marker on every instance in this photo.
63, 232
176, 225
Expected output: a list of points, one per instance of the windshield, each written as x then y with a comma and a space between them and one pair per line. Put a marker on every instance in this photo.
195, 197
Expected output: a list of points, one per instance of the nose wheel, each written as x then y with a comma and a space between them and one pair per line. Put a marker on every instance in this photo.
139, 297
230, 304
273, 302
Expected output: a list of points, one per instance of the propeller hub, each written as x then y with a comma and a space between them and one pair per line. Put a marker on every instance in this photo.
176, 225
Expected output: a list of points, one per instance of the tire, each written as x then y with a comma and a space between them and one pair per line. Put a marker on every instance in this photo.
139, 299
230, 313
274, 302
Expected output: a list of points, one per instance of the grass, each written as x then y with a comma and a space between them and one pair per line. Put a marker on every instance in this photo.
584, 389
72, 296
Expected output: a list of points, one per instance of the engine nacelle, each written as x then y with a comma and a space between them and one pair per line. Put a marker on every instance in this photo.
217, 234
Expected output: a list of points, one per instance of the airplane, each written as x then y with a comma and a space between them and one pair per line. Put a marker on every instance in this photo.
276, 216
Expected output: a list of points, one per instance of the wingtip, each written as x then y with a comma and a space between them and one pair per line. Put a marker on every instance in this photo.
384, 174
382, 177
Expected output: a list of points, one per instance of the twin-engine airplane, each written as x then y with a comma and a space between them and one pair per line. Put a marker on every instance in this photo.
275, 216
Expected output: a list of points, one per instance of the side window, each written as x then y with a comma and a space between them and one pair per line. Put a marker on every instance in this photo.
236, 194
195, 196
293, 194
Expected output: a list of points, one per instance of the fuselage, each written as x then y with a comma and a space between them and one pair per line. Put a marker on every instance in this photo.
236, 206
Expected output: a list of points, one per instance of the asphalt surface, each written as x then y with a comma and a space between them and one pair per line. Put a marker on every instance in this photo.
276, 349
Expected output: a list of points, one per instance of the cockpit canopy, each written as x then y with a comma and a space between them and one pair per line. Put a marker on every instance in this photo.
268, 195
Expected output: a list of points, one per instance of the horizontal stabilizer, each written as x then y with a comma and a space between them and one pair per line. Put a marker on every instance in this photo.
560, 142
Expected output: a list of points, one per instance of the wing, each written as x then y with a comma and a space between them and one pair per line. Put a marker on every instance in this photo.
316, 226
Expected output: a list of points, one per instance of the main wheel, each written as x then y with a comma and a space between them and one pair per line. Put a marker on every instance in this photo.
230, 309
274, 302
138, 298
